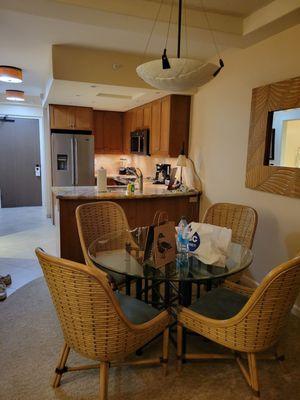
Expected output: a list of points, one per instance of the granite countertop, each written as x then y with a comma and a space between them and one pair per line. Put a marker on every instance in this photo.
90, 192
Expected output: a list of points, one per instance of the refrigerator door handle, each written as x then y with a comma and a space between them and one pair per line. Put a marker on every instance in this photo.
75, 162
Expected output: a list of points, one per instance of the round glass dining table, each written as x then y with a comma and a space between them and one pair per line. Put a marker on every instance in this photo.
123, 253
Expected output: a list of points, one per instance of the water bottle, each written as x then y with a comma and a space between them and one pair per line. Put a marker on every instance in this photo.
182, 236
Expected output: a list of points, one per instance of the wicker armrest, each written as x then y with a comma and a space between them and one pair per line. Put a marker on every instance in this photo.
235, 287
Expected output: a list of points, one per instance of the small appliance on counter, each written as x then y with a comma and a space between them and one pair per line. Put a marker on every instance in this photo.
123, 166
162, 174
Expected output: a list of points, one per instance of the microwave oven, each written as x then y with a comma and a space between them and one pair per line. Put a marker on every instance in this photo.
139, 142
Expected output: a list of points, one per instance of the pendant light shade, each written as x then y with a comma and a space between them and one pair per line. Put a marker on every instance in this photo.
15, 95
10, 74
177, 74
183, 74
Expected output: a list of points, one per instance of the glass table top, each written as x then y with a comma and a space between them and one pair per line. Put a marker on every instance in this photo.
122, 252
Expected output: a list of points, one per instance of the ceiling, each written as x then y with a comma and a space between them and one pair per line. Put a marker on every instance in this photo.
122, 26
100, 97
232, 7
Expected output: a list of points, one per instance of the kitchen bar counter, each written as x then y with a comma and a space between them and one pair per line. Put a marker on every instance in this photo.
117, 192
139, 208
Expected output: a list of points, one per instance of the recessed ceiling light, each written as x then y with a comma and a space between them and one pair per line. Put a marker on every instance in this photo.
10, 74
15, 95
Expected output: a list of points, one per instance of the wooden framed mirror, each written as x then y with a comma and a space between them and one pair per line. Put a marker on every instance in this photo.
273, 161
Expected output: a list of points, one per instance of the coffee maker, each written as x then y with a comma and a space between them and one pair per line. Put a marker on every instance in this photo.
162, 173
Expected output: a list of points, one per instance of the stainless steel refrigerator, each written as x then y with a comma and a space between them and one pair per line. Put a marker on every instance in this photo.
72, 159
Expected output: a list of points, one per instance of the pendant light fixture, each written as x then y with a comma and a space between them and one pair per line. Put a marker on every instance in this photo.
10, 74
178, 74
15, 95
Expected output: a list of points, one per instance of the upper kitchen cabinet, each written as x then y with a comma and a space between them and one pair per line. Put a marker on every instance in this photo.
170, 122
108, 131
147, 115
139, 118
127, 128
83, 118
71, 118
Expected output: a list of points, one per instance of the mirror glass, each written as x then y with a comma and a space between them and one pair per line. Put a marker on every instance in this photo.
283, 138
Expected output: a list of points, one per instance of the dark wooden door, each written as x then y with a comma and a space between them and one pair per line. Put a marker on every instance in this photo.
19, 156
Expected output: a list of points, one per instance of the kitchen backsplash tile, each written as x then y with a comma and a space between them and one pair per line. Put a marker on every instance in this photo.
112, 163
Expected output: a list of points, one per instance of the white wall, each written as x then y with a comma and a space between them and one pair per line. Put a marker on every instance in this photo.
219, 139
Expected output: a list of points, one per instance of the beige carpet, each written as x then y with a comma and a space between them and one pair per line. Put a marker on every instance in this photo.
30, 341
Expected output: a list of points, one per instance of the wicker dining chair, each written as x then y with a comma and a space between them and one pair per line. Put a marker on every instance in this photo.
242, 220
243, 319
98, 219
97, 323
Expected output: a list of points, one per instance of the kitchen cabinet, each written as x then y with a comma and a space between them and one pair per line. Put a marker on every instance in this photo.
155, 127
127, 126
139, 211
83, 118
147, 116
168, 120
108, 131
139, 118
71, 117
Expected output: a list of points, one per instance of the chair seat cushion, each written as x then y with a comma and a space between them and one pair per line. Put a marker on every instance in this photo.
220, 304
136, 310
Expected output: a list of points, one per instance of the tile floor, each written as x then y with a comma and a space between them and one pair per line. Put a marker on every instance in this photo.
23, 229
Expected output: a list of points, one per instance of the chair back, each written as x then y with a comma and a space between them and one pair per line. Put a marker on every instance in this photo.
91, 319
265, 314
98, 219
242, 220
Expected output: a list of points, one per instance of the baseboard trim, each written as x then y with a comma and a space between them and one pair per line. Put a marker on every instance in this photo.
248, 281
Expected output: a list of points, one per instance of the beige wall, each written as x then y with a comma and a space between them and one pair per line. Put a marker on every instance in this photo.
220, 126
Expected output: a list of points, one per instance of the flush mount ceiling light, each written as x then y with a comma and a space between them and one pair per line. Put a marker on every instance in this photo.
10, 74
15, 95
177, 74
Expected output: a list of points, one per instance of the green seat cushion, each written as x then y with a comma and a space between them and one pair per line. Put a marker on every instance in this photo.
220, 304
136, 310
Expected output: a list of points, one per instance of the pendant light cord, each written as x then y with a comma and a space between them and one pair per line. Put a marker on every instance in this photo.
170, 18
210, 29
152, 29
185, 25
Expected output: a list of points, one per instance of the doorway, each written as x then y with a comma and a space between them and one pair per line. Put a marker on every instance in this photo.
20, 172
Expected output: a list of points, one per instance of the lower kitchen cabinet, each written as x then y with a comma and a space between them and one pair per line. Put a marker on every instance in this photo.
139, 212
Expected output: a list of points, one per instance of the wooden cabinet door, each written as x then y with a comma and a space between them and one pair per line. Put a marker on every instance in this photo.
140, 118
99, 131
165, 126
83, 118
155, 127
147, 115
179, 124
113, 132
127, 122
61, 117
133, 119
